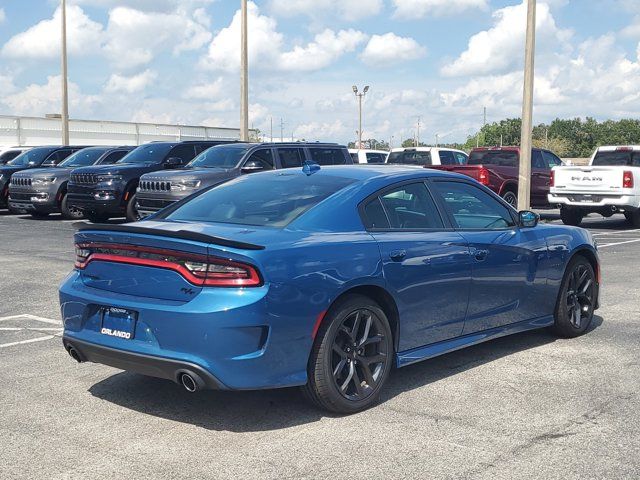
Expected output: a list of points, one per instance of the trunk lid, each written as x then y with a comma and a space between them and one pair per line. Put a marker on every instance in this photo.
589, 179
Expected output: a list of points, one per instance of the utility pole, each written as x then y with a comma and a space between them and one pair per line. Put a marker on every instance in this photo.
418, 132
360, 96
524, 177
484, 116
437, 140
271, 140
281, 130
244, 75
65, 90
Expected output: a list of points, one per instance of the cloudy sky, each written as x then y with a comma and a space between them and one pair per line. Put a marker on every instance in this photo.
443, 60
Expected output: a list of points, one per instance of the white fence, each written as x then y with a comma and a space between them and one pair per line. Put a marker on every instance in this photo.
34, 131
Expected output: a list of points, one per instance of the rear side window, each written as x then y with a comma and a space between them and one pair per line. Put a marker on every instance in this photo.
327, 156
409, 207
446, 157
263, 156
410, 158
290, 157
56, 157
113, 157
261, 199
473, 209
375, 158
374, 216
185, 153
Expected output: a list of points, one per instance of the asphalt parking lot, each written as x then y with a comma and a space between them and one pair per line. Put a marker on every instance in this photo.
525, 406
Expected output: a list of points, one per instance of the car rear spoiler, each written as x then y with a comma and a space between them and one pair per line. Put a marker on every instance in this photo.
182, 234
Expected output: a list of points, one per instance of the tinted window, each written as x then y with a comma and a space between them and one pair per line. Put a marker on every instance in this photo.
446, 157
410, 158
184, 152
616, 158
290, 157
57, 157
327, 156
221, 156
410, 207
461, 158
536, 160
374, 216
263, 156
113, 157
262, 200
472, 208
10, 155
34, 156
149, 153
354, 157
83, 158
375, 158
551, 159
500, 158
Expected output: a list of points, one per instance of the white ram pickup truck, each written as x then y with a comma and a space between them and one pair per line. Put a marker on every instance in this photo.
610, 184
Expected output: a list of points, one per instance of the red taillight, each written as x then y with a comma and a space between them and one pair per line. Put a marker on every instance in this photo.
627, 179
201, 270
483, 176
552, 179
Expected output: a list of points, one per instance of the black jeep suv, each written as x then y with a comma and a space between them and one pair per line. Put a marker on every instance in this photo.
102, 192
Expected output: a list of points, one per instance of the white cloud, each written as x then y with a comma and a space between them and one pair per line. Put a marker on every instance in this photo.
389, 48
501, 48
204, 91
135, 36
84, 37
144, 5
132, 84
412, 9
3, 16
344, 9
326, 47
322, 130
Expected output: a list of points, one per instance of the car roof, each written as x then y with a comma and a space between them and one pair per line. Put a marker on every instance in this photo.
367, 150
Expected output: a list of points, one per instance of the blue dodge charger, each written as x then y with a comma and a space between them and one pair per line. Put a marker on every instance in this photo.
323, 278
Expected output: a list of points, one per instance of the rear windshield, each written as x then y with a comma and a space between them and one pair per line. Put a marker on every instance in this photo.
617, 158
503, 158
35, 156
222, 156
410, 158
260, 199
150, 153
84, 157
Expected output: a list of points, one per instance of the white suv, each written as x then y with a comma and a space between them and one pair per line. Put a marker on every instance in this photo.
363, 155
426, 156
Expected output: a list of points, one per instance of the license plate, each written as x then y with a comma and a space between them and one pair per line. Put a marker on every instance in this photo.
118, 322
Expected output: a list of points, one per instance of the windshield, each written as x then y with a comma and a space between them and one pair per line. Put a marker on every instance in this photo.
260, 199
410, 158
617, 158
221, 156
35, 156
83, 158
150, 153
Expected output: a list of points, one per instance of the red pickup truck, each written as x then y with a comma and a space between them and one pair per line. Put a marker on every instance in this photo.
497, 168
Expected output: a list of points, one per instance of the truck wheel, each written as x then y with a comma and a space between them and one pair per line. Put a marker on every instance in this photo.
70, 212
633, 218
511, 198
571, 217
97, 217
132, 211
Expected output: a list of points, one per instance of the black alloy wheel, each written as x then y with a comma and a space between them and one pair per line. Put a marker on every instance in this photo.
577, 299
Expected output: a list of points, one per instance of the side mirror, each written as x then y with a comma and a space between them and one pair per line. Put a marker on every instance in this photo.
252, 166
528, 219
172, 162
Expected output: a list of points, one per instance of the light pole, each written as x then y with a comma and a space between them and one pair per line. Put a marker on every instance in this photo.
65, 96
360, 95
244, 75
524, 175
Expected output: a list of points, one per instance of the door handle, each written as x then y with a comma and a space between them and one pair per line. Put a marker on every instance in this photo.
481, 255
397, 255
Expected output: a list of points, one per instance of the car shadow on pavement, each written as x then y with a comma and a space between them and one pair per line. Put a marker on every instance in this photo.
264, 410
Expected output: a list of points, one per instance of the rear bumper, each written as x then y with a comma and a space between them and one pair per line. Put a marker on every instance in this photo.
598, 201
150, 365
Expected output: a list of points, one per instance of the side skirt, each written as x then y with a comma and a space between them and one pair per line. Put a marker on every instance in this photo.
435, 349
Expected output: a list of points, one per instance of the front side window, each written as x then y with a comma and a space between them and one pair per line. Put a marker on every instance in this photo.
473, 209
290, 157
113, 157
409, 207
263, 157
57, 157
327, 156
270, 200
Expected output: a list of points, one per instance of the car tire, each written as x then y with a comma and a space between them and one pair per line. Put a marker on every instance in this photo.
37, 214
131, 210
97, 217
633, 218
576, 299
70, 213
571, 216
511, 198
351, 357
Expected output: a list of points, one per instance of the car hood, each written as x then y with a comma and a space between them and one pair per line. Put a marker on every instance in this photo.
10, 170
119, 169
207, 176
